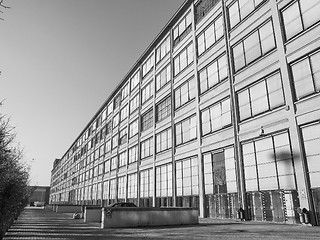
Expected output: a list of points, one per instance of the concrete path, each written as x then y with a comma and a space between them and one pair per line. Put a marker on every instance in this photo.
44, 224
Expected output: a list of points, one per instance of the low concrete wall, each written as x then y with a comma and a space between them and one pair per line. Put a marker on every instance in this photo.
138, 217
68, 208
92, 214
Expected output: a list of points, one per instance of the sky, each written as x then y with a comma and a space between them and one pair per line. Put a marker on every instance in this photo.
59, 62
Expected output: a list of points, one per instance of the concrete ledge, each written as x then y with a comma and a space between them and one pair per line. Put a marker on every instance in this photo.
92, 214
139, 217
67, 208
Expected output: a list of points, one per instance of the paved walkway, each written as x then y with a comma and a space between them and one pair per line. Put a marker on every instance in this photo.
44, 224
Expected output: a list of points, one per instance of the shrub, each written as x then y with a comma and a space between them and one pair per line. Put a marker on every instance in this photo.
14, 175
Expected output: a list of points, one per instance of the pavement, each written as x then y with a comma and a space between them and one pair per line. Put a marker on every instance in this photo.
39, 223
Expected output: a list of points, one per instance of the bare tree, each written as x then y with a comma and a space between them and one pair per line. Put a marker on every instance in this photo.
3, 6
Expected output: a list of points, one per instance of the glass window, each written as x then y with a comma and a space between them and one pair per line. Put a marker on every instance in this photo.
212, 74
210, 36
134, 103
147, 66
163, 140
132, 185
115, 120
163, 77
238, 55
147, 120
164, 180
124, 113
234, 14
254, 46
147, 92
123, 136
305, 74
133, 154
262, 96
115, 141
216, 117
258, 95
122, 187
186, 130
163, 49
117, 101
240, 9
114, 163
300, 15
133, 128
146, 183
182, 28
125, 91
187, 177
134, 81
183, 59
163, 109
267, 37
265, 170
147, 148
310, 12
184, 93
123, 159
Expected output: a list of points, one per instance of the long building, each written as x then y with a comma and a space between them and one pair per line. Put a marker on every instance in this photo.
221, 112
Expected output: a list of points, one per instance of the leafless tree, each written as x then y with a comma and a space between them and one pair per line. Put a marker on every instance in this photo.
2, 6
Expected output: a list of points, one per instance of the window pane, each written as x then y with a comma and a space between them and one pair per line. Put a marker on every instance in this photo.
292, 20
226, 114
267, 37
212, 74
190, 54
203, 80
258, 96
302, 78
315, 64
184, 93
310, 12
252, 47
205, 116
219, 28
209, 36
234, 16
246, 7
201, 45
275, 91
244, 104
238, 55
183, 60
223, 68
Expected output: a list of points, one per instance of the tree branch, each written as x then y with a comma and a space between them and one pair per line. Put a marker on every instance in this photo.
1, 4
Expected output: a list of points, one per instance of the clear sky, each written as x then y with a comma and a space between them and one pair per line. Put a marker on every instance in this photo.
60, 60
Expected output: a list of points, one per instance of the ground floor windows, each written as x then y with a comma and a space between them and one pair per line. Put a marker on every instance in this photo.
311, 137
164, 180
268, 163
146, 189
311, 141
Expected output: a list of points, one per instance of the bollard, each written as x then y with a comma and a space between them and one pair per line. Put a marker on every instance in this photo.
305, 213
241, 214
301, 215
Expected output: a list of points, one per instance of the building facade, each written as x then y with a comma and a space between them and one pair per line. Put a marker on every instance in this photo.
39, 195
221, 112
